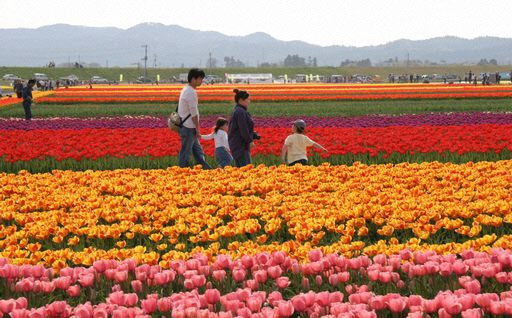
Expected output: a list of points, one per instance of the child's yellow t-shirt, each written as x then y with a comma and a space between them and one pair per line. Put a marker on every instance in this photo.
297, 145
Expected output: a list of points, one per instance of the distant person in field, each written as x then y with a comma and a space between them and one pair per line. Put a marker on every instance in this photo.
189, 113
18, 88
27, 98
295, 146
241, 133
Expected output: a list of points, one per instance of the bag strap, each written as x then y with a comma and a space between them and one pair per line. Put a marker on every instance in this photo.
178, 104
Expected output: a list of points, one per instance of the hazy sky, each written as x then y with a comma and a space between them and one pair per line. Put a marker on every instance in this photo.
324, 22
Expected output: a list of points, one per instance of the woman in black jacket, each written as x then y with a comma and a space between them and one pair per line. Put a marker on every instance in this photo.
241, 130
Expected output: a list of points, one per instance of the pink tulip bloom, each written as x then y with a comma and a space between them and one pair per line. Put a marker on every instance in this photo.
274, 298
452, 306
260, 276
472, 313
100, 313
20, 313
502, 277
73, 291
278, 257
212, 296
373, 275
459, 268
219, 275
322, 299
385, 277
57, 308
283, 282
445, 269
318, 280
442, 313
377, 303
39, 313
274, 271
254, 304
178, 313
299, 303
497, 307
285, 309
473, 286
148, 305
188, 284
252, 284
396, 304
86, 280
380, 259
136, 285
343, 277
164, 304
305, 283
131, 299
21, 303
238, 274
335, 297
82, 311
225, 314
160, 279
366, 314
263, 258
100, 266
199, 280
7, 306
25, 285
247, 261
467, 301
333, 280
315, 255
484, 300
116, 298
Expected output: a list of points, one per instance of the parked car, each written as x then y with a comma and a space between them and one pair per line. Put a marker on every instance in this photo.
10, 77
98, 80
143, 80
40, 77
183, 78
211, 79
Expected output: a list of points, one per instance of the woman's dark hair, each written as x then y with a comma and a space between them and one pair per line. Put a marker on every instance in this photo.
31, 81
195, 73
220, 122
240, 95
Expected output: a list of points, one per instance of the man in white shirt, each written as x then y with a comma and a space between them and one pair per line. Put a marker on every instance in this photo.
189, 113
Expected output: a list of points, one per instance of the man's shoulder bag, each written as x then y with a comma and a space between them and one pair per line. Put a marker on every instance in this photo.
174, 121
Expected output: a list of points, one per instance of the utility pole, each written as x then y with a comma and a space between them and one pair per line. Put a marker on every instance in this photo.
145, 59
107, 63
154, 61
210, 61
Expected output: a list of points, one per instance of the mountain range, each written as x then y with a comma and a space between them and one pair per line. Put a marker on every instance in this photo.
171, 45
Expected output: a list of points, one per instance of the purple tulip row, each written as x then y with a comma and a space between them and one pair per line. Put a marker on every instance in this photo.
442, 119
